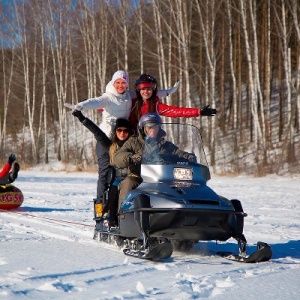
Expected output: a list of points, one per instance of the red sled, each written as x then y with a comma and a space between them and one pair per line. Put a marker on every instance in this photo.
10, 197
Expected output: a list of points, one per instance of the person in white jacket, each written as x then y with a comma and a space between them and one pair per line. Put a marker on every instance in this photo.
117, 103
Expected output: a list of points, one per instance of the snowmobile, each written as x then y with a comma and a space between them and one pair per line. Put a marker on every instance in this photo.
173, 208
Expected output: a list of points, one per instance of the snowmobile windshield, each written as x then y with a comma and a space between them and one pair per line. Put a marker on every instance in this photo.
176, 144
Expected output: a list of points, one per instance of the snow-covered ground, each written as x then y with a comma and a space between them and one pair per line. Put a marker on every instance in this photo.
47, 250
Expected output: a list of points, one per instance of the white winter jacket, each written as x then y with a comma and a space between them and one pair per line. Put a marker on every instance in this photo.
115, 105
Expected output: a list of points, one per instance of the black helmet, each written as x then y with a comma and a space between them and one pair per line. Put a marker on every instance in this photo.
145, 80
149, 119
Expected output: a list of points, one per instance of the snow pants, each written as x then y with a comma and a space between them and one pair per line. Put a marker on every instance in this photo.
126, 185
103, 166
4, 180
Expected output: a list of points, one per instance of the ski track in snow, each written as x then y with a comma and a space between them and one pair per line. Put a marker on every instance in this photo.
45, 257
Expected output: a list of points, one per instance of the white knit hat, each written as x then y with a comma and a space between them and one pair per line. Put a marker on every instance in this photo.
120, 75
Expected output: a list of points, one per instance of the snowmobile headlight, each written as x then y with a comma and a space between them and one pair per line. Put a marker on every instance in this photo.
183, 173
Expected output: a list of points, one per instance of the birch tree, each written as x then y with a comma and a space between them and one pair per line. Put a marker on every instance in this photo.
120, 12
251, 81
256, 74
7, 71
159, 39
207, 18
266, 42
184, 30
281, 17
57, 30
295, 11
25, 59
231, 64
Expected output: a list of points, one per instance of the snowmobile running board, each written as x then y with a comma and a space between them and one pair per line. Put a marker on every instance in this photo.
263, 253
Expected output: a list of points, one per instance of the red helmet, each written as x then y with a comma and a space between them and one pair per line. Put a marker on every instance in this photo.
145, 81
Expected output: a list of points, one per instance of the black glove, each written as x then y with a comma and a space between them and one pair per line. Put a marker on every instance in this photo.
136, 158
78, 114
192, 158
207, 111
11, 159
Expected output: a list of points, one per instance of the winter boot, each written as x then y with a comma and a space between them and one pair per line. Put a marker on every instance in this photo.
14, 173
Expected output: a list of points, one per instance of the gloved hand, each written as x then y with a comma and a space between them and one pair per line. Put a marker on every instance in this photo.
78, 114
136, 159
11, 159
173, 89
192, 158
207, 111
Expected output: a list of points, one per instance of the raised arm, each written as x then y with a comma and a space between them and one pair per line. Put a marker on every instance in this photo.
99, 135
166, 93
92, 103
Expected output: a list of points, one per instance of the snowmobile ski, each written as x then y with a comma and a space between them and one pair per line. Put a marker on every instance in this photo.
262, 254
161, 251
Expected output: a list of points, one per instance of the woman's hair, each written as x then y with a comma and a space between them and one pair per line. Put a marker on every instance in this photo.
113, 148
152, 107
144, 80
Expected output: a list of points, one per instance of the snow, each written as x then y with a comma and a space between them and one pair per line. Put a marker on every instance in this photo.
47, 250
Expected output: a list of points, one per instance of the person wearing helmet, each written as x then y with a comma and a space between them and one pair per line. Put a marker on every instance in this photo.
149, 143
156, 147
148, 100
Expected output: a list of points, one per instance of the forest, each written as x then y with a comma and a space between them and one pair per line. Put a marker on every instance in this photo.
240, 57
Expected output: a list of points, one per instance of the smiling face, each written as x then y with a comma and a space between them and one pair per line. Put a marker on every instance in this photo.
120, 85
152, 131
146, 93
122, 133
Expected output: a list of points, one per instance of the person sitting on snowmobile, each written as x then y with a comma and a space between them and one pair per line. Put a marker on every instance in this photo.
120, 134
157, 149
6, 174
151, 139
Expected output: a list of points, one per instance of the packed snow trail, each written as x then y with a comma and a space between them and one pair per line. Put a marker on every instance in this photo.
42, 258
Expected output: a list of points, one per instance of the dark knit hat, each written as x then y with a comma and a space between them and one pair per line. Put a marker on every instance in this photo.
121, 122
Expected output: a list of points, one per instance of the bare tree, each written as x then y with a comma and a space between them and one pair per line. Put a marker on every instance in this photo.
251, 79
266, 42
58, 28
159, 38
295, 9
26, 54
256, 74
231, 64
207, 16
7, 70
282, 25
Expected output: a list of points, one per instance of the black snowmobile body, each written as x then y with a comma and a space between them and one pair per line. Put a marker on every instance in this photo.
174, 207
